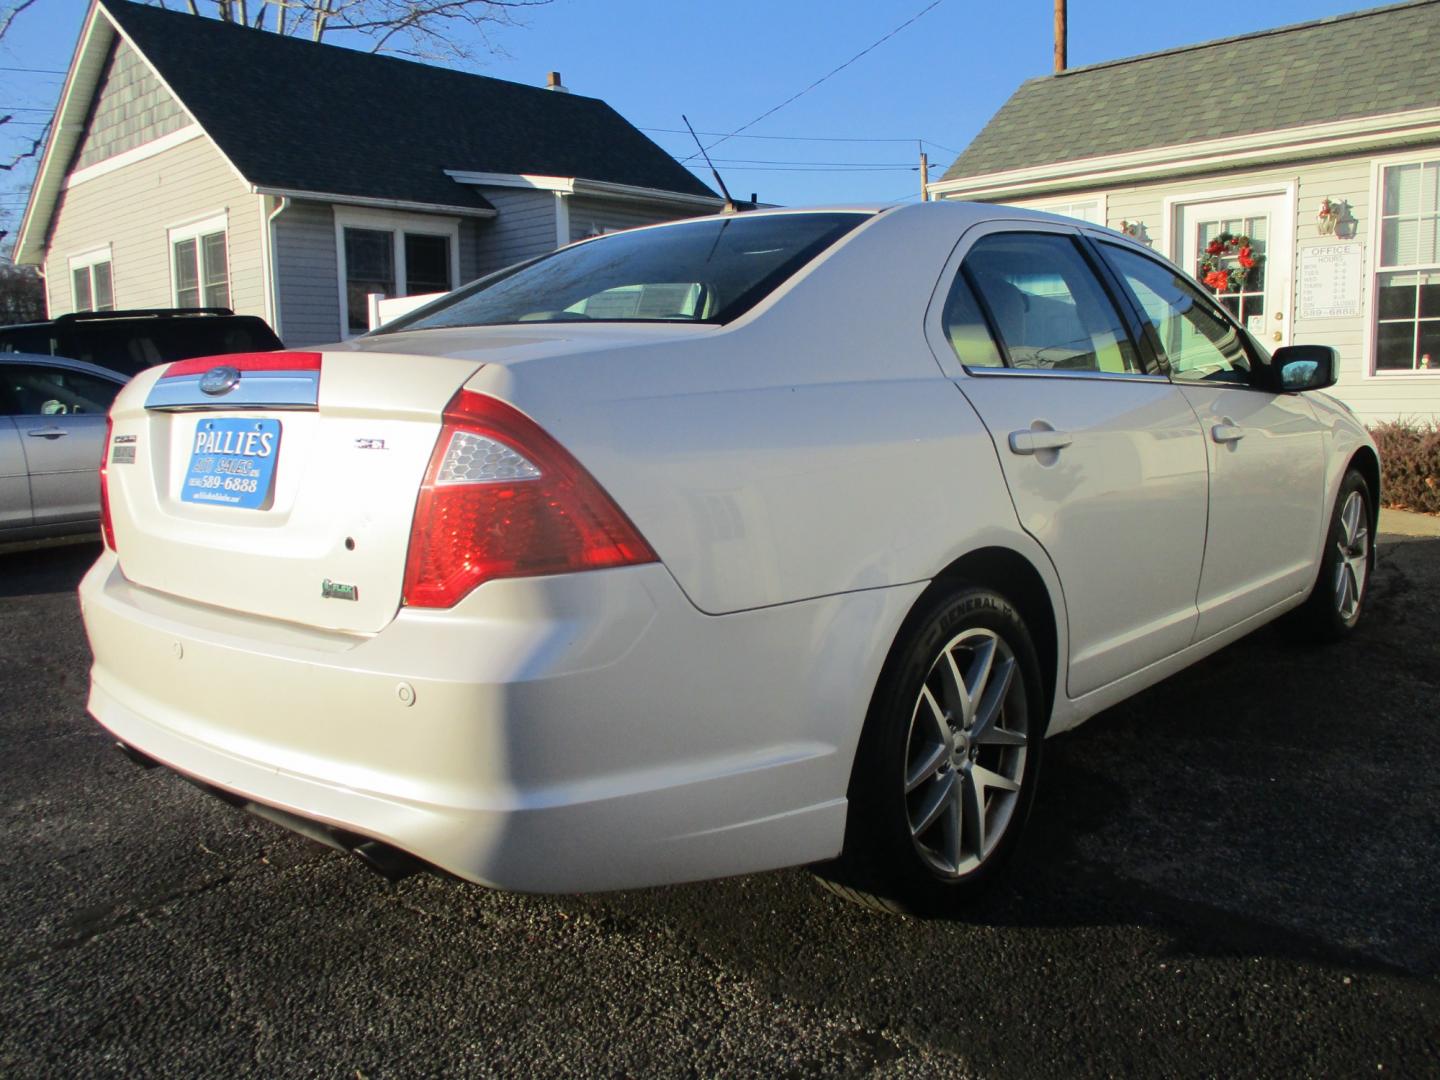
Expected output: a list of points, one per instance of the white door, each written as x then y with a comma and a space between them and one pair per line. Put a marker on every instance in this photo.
1259, 295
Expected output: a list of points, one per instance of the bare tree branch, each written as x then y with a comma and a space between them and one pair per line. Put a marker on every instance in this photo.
9, 16
35, 147
426, 29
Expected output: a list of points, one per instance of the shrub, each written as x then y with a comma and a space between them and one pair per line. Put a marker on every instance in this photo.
1409, 464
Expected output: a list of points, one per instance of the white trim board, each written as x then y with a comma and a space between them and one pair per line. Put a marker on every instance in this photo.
179, 137
562, 219
1366, 132
574, 185
68, 125
365, 203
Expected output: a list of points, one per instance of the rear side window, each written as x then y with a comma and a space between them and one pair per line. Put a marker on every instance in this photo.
26, 339
36, 390
1047, 305
707, 271
966, 330
130, 347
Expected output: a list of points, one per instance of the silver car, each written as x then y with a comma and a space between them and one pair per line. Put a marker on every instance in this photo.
52, 433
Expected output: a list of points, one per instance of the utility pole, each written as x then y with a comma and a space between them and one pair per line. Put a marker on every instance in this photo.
924, 176
1060, 36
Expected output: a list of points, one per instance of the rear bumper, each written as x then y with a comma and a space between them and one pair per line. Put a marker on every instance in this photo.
583, 732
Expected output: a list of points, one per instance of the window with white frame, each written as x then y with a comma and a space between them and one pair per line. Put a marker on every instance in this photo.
1407, 279
392, 254
92, 282
200, 264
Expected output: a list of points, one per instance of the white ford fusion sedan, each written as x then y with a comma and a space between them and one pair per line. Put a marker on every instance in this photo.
716, 546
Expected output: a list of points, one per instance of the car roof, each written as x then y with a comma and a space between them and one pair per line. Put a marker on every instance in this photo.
80, 367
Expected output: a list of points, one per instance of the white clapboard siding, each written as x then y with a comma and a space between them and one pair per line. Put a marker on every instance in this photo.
132, 209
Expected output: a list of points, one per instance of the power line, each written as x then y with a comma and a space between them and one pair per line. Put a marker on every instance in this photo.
814, 168
36, 71
833, 71
855, 164
784, 138
24, 108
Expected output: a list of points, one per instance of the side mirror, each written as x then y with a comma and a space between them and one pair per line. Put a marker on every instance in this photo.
1303, 367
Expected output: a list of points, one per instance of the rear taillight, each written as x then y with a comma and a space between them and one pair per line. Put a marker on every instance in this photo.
501, 498
267, 361
107, 526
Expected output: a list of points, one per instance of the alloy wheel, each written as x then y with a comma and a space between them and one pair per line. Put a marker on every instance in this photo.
1353, 566
965, 754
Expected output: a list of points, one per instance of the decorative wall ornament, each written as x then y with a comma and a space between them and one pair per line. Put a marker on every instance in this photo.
1328, 217
1136, 231
1214, 271
1335, 218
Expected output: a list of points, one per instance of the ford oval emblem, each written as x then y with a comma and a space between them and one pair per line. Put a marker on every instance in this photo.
219, 380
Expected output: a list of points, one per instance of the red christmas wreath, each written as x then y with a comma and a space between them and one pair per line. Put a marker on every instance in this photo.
1216, 275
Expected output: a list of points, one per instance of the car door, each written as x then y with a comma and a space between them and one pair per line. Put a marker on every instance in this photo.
14, 477
1266, 450
1104, 459
59, 417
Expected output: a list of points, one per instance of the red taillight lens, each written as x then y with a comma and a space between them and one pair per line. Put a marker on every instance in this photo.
501, 498
107, 526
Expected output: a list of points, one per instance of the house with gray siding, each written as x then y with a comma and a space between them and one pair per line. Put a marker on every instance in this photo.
1313, 149
195, 163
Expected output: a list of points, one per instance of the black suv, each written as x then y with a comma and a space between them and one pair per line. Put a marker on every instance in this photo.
130, 341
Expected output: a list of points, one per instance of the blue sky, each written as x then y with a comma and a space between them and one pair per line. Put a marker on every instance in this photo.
724, 63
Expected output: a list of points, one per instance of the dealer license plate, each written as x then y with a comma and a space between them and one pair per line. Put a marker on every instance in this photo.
232, 463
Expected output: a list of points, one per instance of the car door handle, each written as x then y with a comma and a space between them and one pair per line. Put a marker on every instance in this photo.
1227, 433
47, 433
1031, 441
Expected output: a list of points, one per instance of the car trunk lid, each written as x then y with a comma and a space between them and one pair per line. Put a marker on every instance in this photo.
279, 484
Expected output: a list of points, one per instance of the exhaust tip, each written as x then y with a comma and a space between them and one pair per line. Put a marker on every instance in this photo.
143, 760
390, 863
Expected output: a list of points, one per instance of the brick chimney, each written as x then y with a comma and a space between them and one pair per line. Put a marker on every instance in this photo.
552, 82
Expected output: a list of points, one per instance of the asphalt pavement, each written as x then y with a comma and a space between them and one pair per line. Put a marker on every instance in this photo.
1235, 873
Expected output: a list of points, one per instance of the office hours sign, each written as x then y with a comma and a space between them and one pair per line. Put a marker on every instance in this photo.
1331, 280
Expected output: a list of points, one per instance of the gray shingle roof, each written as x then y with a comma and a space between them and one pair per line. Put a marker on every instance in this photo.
298, 116
1363, 64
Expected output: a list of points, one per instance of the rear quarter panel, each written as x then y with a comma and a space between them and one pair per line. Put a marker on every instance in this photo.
813, 447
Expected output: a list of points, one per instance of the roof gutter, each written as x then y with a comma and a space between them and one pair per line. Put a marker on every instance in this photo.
1155, 163
575, 185
379, 204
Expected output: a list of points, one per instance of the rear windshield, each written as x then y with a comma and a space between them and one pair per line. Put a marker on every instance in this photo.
131, 346
708, 271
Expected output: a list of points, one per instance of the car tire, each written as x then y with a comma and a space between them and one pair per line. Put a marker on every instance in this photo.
1347, 564
946, 769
